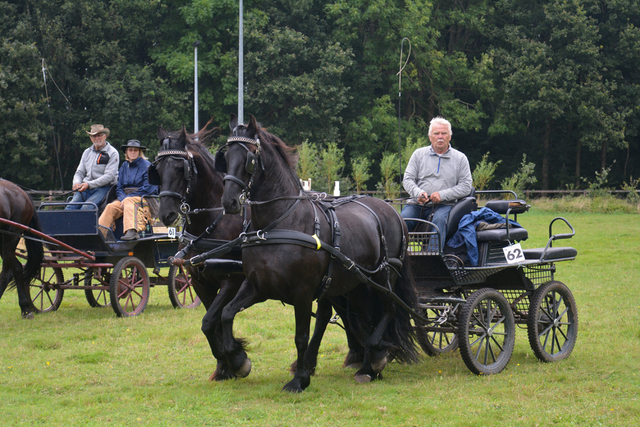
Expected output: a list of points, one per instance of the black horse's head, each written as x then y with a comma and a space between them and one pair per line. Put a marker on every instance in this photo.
173, 170
240, 162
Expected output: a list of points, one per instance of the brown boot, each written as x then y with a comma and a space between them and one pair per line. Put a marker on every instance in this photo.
131, 234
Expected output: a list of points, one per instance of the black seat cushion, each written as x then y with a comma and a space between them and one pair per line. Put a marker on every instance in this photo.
552, 253
500, 234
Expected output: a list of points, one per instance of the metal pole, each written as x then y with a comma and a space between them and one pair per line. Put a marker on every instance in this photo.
53, 132
400, 102
241, 68
196, 124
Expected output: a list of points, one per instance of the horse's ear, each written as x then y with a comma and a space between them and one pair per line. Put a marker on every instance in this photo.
182, 139
162, 134
254, 127
233, 122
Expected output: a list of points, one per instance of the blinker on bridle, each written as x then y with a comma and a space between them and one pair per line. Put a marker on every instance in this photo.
250, 165
189, 170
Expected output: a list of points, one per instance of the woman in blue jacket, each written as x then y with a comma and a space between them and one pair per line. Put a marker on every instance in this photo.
132, 185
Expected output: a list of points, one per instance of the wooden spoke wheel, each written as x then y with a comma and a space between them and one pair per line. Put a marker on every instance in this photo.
129, 287
98, 295
552, 324
181, 292
45, 292
487, 332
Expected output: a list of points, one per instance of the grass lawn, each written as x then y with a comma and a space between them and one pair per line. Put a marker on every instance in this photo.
84, 366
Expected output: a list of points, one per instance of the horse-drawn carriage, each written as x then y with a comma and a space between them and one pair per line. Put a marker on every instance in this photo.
111, 272
475, 305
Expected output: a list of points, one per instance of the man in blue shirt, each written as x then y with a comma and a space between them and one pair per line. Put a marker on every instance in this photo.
132, 185
435, 178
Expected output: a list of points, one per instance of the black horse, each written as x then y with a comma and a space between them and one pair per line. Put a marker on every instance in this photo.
17, 206
185, 171
288, 258
190, 185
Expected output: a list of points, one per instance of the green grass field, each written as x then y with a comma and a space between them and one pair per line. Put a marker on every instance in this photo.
84, 366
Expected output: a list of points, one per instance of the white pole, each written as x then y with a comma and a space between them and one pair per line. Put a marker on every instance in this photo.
196, 124
240, 68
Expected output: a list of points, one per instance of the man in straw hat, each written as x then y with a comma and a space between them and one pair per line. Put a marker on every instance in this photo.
97, 171
132, 186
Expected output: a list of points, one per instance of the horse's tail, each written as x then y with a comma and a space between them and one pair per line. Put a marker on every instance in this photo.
35, 253
400, 332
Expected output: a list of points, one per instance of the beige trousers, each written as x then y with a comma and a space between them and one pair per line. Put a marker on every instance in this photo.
135, 216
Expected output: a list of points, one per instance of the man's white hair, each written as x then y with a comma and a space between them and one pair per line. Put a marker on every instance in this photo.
440, 121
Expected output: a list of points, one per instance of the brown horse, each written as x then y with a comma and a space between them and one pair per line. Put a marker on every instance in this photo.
16, 206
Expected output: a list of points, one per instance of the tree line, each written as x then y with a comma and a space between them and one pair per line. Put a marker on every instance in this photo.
552, 82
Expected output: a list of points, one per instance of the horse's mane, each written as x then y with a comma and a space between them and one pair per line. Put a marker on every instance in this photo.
286, 152
199, 141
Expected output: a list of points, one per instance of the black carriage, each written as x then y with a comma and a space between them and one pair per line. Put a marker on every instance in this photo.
476, 308
111, 272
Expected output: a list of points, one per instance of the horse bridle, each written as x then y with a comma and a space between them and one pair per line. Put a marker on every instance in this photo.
250, 165
190, 171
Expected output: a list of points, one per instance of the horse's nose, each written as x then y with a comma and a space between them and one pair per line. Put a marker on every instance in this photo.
232, 206
169, 218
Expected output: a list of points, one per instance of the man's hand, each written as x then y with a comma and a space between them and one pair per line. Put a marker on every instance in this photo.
435, 197
423, 198
80, 187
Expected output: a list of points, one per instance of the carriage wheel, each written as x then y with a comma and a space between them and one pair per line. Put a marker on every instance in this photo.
487, 332
97, 297
44, 291
181, 292
436, 341
129, 287
553, 322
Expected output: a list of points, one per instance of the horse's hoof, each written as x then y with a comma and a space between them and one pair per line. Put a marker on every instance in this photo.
289, 389
221, 375
379, 365
28, 315
245, 369
366, 378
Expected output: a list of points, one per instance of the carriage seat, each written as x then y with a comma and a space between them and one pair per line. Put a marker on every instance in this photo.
551, 254
504, 207
464, 206
500, 234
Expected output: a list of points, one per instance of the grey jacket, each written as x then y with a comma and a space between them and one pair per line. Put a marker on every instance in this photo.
448, 174
98, 168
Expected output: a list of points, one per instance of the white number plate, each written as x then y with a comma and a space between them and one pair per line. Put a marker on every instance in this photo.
171, 232
513, 253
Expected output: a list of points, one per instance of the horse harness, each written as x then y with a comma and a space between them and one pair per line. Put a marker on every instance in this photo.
271, 236
190, 171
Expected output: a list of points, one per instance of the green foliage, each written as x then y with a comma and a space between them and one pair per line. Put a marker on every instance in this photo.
360, 172
484, 173
632, 188
411, 145
307, 160
520, 180
389, 188
557, 79
598, 187
331, 166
